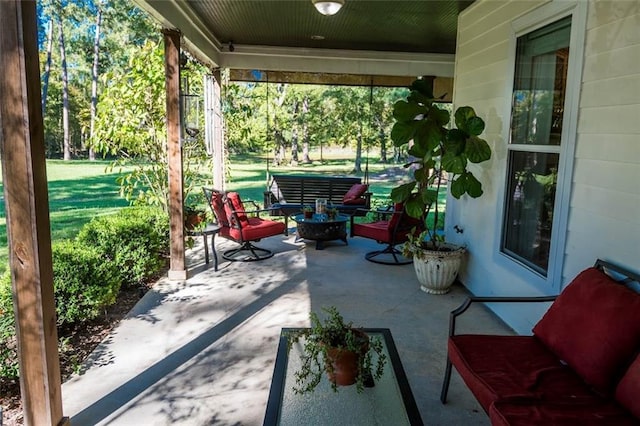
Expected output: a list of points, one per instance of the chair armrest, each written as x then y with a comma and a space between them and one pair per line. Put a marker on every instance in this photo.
509, 299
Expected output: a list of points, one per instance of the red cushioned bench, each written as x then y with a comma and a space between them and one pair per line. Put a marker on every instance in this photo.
581, 366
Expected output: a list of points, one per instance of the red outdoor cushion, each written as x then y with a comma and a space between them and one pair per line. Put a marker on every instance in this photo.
588, 411
378, 231
237, 206
628, 390
217, 204
256, 229
356, 201
355, 192
594, 326
498, 367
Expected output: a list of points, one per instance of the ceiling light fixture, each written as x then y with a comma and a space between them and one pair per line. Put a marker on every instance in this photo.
328, 7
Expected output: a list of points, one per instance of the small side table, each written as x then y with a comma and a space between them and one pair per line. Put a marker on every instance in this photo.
211, 229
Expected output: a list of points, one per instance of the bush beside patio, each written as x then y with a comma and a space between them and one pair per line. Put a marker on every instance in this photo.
111, 252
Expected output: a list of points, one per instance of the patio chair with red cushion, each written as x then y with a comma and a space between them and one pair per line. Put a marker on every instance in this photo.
238, 226
392, 230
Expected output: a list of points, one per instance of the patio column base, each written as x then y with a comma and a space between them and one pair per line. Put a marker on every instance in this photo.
177, 275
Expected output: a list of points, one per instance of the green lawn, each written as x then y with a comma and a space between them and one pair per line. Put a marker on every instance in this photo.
80, 190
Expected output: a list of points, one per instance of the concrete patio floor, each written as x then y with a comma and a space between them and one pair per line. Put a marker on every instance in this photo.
202, 351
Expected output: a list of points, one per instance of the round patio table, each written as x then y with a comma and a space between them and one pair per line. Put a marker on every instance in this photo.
320, 228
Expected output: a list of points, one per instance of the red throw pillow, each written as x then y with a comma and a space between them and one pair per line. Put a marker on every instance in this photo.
629, 388
594, 326
354, 193
356, 201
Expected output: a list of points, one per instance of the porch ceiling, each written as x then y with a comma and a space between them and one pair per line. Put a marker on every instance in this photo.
366, 37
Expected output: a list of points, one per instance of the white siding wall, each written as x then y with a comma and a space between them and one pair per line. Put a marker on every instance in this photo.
604, 217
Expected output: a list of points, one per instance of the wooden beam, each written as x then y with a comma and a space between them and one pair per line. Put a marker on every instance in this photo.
441, 85
177, 269
27, 208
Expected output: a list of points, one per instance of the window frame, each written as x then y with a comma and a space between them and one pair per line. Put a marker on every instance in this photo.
538, 18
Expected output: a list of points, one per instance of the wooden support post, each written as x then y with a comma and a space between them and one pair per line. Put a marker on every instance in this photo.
177, 269
27, 208
218, 133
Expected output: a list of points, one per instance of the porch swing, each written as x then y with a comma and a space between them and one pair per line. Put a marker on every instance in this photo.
393, 228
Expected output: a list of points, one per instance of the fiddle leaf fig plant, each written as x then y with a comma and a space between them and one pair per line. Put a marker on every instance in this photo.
422, 126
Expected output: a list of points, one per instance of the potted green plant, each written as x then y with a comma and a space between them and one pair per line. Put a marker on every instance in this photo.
194, 216
332, 213
307, 211
337, 349
437, 150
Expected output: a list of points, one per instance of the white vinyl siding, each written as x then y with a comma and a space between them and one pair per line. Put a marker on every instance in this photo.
603, 218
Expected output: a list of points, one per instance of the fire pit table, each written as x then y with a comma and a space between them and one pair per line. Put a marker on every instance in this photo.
320, 228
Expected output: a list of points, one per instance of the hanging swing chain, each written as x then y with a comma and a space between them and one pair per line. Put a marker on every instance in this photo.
268, 131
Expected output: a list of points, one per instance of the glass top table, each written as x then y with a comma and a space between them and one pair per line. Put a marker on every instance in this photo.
389, 402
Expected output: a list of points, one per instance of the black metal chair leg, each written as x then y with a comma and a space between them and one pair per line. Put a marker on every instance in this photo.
445, 383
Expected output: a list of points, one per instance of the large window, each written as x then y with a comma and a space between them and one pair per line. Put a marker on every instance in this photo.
537, 113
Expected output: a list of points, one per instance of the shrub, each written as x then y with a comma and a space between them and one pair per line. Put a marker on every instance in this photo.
135, 240
8, 343
83, 282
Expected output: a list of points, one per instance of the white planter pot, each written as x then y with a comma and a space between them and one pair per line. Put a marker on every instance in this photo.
436, 269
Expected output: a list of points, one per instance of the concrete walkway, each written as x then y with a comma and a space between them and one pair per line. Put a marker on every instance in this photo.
202, 351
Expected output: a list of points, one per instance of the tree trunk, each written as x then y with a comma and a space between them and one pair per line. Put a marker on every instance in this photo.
65, 96
383, 143
305, 132
357, 167
294, 146
94, 83
47, 68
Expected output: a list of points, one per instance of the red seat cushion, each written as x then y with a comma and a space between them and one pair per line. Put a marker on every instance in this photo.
594, 326
355, 192
589, 411
378, 231
217, 204
499, 367
256, 229
628, 390
234, 204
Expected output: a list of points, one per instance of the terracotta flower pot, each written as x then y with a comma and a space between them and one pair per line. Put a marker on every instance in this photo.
344, 363
192, 220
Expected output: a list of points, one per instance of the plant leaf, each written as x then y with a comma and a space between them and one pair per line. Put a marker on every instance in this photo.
462, 116
453, 163
455, 141
457, 187
428, 134
407, 111
475, 126
440, 116
477, 150
472, 185
429, 196
415, 207
401, 193
402, 133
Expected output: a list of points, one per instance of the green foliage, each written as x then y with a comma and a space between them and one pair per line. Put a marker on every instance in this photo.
333, 332
135, 240
83, 282
131, 125
438, 151
8, 344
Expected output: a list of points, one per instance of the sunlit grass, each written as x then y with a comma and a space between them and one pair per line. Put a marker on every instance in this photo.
81, 190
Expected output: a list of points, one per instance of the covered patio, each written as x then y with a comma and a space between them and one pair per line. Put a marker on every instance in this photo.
202, 351
191, 354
